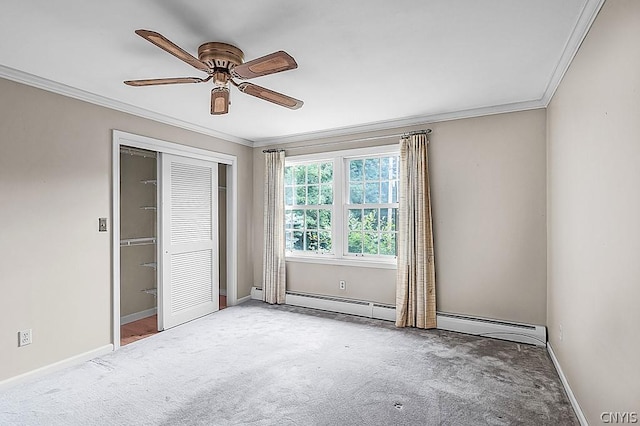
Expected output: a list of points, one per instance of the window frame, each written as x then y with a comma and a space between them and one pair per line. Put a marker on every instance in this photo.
339, 208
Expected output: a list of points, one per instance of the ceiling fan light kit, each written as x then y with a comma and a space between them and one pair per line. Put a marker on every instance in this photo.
223, 62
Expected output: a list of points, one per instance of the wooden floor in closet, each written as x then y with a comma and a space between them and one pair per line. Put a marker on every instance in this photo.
146, 327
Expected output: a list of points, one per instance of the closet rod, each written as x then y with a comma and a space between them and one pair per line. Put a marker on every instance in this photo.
371, 138
138, 152
137, 241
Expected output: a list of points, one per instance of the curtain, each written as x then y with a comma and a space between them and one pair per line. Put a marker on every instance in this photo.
273, 276
415, 286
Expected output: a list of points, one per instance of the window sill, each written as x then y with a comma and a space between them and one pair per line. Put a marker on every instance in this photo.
343, 262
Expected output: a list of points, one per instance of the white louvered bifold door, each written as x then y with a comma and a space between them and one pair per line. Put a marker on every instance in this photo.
189, 239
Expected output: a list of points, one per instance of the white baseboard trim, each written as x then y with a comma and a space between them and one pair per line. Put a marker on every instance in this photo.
48, 369
244, 299
334, 304
137, 316
497, 329
572, 398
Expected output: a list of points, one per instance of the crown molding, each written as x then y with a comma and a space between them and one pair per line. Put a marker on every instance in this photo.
72, 92
587, 16
401, 123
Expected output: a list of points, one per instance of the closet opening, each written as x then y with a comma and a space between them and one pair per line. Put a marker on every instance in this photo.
138, 244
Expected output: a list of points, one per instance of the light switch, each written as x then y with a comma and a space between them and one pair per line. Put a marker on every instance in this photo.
102, 224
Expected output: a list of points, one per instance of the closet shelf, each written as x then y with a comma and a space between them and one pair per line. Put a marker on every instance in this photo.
137, 241
153, 265
149, 182
148, 208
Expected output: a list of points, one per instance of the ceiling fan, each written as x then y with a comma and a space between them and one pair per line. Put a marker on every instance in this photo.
224, 62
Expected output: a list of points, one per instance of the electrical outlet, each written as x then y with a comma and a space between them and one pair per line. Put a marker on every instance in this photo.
25, 337
560, 334
102, 224
343, 285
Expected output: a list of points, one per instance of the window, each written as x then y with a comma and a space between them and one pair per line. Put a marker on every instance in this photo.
372, 205
308, 194
342, 206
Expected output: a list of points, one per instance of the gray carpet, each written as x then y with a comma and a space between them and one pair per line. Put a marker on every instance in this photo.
256, 364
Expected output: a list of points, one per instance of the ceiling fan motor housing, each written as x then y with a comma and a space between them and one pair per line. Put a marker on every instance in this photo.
220, 55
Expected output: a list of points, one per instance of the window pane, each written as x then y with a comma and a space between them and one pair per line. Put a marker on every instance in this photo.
288, 195
355, 242
388, 219
298, 218
312, 195
370, 219
355, 170
311, 240
288, 219
385, 169
394, 165
324, 242
372, 192
324, 219
355, 219
297, 240
394, 191
370, 243
288, 175
300, 174
372, 169
356, 193
388, 243
301, 195
385, 194
326, 172
326, 194
288, 240
312, 219
313, 173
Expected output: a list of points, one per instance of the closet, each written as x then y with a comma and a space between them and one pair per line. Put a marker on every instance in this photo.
138, 242
173, 240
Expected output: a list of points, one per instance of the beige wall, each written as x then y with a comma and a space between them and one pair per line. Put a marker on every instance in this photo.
488, 180
55, 182
594, 215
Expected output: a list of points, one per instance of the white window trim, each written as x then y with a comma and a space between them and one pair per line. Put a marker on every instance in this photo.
339, 256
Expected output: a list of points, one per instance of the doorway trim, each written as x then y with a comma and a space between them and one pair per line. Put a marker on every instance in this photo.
121, 138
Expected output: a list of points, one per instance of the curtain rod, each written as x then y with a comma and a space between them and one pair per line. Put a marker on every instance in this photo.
417, 132
372, 138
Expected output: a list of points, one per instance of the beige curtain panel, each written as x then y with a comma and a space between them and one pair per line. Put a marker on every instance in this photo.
273, 276
416, 280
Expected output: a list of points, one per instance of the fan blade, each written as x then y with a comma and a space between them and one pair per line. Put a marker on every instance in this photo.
270, 64
168, 46
270, 95
159, 81
220, 100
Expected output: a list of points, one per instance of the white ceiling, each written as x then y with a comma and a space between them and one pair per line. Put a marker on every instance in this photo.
361, 64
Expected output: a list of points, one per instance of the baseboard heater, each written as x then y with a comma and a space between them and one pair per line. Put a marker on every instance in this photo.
497, 329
